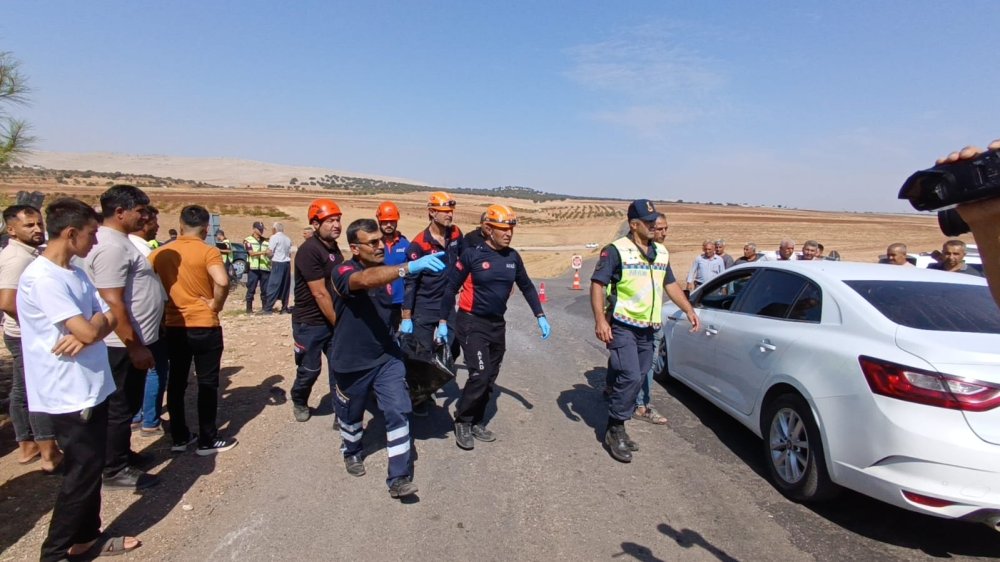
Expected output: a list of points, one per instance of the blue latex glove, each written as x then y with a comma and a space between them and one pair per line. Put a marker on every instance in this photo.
406, 326
544, 325
442, 333
431, 262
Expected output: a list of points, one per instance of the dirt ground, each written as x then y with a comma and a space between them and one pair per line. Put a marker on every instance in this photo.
258, 365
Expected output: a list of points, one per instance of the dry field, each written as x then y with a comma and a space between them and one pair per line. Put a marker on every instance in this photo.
551, 233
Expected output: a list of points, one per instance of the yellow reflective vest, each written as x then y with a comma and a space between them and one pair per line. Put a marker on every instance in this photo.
638, 296
261, 263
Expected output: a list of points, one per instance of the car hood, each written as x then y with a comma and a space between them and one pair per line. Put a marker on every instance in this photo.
960, 354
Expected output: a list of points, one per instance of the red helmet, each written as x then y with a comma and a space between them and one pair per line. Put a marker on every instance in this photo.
387, 211
500, 216
322, 209
440, 201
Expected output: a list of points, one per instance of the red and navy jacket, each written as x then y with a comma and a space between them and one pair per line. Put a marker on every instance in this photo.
486, 277
423, 292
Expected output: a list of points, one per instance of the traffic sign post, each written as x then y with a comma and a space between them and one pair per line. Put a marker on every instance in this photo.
577, 262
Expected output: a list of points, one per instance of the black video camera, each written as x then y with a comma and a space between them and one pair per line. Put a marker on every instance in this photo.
949, 184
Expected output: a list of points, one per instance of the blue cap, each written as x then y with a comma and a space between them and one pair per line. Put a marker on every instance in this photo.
642, 209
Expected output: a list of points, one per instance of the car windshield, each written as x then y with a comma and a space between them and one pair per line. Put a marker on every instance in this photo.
942, 307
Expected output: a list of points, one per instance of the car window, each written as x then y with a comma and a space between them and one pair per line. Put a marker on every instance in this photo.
809, 305
721, 293
772, 294
943, 307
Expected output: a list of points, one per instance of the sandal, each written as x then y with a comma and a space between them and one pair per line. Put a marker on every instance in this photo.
649, 415
107, 546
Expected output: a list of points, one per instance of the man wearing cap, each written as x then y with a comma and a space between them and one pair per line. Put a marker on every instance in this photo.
626, 296
423, 292
258, 265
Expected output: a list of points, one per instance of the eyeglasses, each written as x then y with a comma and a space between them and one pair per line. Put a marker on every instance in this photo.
373, 244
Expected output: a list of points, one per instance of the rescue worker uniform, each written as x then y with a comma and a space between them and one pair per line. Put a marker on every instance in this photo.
486, 277
423, 293
633, 282
395, 254
370, 361
258, 269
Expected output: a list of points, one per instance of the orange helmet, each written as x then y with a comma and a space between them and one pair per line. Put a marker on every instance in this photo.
387, 211
440, 201
322, 209
500, 216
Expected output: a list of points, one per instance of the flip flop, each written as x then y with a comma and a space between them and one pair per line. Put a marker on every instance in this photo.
650, 416
106, 546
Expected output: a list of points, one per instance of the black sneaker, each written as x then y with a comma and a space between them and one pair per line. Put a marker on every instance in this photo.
402, 487
463, 436
423, 409
218, 446
355, 465
140, 460
183, 446
129, 478
480, 432
614, 440
301, 413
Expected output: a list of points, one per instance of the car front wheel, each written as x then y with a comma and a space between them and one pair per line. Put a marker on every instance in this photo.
794, 450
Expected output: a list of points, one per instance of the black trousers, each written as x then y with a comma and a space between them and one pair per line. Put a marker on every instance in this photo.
130, 384
203, 346
76, 517
257, 277
484, 342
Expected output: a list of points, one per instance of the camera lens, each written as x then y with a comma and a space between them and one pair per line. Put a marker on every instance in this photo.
951, 223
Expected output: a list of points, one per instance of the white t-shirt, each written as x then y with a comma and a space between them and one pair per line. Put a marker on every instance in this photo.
140, 244
47, 296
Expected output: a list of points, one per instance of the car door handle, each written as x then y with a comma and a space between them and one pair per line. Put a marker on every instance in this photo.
711, 331
766, 345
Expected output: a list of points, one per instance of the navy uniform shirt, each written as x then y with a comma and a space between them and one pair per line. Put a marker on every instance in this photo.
609, 266
361, 337
423, 292
486, 277
313, 261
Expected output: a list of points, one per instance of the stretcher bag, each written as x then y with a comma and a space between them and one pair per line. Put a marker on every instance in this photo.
426, 371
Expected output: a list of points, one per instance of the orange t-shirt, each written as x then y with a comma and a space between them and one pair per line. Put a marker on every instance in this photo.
183, 268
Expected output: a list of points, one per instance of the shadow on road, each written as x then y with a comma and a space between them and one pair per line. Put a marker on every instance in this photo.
23, 501
585, 402
685, 538
237, 407
851, 511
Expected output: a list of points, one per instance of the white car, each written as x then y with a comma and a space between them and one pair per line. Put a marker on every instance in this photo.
849, 384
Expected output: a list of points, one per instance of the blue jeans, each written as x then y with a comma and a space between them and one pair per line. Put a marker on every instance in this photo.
643, 398
311, 344
156, 386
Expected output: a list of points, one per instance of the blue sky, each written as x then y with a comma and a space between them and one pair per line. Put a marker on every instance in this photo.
824, 105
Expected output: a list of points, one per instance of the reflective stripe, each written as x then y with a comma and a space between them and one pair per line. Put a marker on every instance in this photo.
352, 427
398, 433
397, 450
352, 437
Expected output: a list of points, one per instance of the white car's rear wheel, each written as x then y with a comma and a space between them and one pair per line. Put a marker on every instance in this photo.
794, 450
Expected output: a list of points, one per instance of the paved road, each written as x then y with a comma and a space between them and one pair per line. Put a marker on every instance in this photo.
546, 489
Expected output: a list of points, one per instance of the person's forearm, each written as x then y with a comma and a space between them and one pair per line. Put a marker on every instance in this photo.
372, 277
123, 329
597, 300
219, 295
102, 326
325, 304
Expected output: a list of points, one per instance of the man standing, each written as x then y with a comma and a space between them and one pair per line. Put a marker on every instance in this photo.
145, 238
423, 292
895, 254
643, 400
476, 237
226, 249
626, 296
126, 281
720, 250
33, 430
750, 254
395, 245
313, 317
706, 266
258, 270
494, 268
64, 322
810, 250
369, 360
953, 259
279, 280
197, 284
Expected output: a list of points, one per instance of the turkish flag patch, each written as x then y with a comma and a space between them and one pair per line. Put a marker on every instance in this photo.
344, 269
459, 266
413, 256
486, 265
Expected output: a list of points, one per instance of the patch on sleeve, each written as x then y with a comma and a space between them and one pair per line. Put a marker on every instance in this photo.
604, 253
459, 266
344, 269
413, 256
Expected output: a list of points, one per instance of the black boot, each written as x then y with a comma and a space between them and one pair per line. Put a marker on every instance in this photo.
614, 440
249, 307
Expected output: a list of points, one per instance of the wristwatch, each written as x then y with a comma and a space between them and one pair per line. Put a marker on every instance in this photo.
402, 271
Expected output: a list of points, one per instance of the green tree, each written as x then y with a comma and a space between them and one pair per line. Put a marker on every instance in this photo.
14, 137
